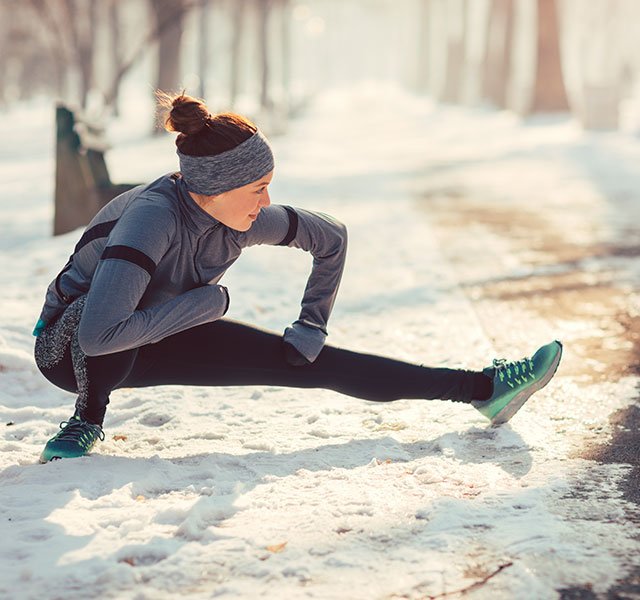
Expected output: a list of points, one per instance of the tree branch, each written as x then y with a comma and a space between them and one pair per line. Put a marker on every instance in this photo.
151, 36
44, 13
473, 586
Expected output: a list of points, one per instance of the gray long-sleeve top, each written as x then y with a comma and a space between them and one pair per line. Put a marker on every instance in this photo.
151, 259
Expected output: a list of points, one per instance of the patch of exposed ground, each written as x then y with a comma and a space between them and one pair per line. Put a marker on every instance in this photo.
558, 278
575, 283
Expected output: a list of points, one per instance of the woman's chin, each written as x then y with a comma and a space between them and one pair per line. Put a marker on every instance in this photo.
244, 226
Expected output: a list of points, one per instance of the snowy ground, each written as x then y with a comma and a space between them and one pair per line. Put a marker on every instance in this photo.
472, 235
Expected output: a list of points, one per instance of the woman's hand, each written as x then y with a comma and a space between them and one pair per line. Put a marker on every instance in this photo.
293, 357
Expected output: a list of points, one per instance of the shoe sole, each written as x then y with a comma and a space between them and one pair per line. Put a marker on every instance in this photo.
518, 401
44, 461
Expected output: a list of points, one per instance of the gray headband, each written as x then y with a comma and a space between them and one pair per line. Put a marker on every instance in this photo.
212, 175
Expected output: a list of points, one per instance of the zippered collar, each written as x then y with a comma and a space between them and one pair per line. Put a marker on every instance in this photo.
195, 217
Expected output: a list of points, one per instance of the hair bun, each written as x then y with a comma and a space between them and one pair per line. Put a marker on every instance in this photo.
186, 114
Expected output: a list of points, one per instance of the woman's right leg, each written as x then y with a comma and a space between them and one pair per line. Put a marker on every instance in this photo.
227, 353
91, 377
61, 360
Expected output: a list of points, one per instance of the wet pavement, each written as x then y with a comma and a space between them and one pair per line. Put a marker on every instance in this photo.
523, 274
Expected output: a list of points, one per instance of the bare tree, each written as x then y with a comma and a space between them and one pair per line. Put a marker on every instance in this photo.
19, 51
422, 74
116, 51
285, 37
167, 21
606, 75
5, 49
203, 46
49, 28
61, 34
169, 13
549, 92
73, 24
239, 7
497, 63
264, 11
82, 17
456, 40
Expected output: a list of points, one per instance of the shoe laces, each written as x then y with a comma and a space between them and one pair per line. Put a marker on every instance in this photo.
83, 432
517, 370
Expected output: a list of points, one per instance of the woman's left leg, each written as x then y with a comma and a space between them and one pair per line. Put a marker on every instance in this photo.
227, 353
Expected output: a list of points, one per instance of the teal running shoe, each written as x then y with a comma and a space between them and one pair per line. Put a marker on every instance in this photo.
75, 438
514, 382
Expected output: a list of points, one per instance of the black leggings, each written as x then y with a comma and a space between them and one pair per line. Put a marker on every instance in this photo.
227, 353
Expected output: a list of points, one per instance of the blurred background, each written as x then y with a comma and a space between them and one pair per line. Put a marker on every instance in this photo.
275, 60
269, 58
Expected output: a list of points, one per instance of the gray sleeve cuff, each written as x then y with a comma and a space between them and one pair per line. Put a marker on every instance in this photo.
307, 340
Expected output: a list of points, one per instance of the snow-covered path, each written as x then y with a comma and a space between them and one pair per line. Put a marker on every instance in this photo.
258, 492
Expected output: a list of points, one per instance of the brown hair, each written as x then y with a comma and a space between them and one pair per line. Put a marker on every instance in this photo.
200, 133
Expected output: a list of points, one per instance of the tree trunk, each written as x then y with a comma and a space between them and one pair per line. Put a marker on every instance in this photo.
456, 38
423, 62
264, 10
497, 65
53, 34
549, 93
285, 34
5, 51
236, 42
171, 13
143, 45
85, 48
203, 47
115, 43
80, 18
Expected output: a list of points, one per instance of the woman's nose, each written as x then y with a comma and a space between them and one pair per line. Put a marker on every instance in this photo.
265, 200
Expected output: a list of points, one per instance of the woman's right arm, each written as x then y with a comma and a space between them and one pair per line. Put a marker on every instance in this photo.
111, 321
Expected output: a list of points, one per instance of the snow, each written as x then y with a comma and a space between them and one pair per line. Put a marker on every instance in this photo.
264, 491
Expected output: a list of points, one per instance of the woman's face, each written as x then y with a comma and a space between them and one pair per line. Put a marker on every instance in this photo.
238, 208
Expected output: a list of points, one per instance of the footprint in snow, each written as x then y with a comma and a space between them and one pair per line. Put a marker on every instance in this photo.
155, 419
137, 556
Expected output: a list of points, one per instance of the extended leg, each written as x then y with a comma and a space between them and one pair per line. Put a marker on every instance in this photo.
227, 353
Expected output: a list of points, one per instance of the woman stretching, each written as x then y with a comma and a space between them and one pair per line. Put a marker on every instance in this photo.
138, 304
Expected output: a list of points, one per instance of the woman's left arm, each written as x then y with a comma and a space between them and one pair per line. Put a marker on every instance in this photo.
326, 239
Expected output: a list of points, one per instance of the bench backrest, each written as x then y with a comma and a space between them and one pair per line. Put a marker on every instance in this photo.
83, 185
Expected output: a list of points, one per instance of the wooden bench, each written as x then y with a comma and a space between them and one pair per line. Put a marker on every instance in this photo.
83, 185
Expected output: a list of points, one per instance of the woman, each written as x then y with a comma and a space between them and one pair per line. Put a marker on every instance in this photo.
138, 303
